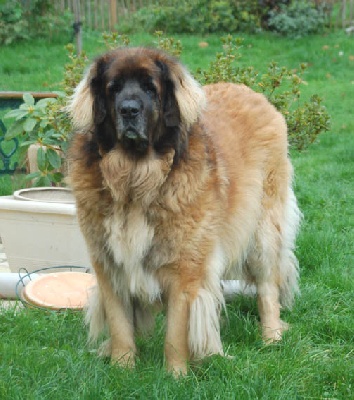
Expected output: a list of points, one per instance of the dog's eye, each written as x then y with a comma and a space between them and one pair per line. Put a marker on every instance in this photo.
115, 86
148, 87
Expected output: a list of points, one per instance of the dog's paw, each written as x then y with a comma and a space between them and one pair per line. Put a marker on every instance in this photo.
274, 333
105, 349
125, 359
178, 370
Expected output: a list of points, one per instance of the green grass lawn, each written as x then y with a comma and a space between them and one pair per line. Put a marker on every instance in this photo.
45, 355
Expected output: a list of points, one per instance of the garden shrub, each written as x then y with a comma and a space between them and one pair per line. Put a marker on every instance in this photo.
198, 16
288, 17
300, 18
37, 18
305, 120
13, 26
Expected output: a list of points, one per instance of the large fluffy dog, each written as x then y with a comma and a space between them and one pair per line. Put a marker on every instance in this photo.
176, 186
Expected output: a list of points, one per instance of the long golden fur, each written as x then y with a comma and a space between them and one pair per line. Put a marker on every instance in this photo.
178, 186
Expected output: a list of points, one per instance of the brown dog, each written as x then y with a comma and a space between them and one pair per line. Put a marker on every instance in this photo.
178, 186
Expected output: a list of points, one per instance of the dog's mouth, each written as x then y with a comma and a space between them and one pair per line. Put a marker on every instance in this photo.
132, 134
135, 141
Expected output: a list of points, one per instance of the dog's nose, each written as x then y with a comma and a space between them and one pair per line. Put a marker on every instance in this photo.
130, 108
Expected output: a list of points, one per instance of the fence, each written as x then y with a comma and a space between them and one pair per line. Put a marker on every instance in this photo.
101, 15
104, 15
345, 16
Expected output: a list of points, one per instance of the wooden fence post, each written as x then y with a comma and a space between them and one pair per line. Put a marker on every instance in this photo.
113, 14
344, 12
77, 26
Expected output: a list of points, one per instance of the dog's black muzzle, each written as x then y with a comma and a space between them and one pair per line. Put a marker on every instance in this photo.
131, 116
130, 109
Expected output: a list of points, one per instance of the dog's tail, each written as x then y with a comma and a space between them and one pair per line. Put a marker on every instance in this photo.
95, 315
289, 268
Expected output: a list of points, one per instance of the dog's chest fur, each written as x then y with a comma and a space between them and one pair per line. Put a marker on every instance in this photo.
129, 240
130, 229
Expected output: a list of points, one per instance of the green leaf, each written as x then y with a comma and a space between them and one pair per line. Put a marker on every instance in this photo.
18, 114
56, 177
56, 135
53, 158
41, 158
27, 143
28, 99
64, 146
33, 175
43, 181
49, 134
44, 102
14, 130
25, 107
49, 142
29, 124
44, 122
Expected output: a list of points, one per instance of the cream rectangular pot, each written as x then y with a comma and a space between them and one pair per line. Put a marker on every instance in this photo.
39, 229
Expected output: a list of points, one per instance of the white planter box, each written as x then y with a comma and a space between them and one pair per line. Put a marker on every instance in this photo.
43, 232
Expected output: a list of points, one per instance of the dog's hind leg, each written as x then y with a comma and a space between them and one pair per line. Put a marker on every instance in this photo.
269, 311
273, 266
120, 324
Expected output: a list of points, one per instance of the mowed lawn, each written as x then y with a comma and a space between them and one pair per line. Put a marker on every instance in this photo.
45, 355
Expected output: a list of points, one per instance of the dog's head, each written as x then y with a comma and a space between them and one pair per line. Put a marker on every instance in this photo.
137, 98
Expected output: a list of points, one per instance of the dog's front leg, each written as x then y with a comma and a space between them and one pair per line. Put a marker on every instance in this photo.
176, 343
120, 325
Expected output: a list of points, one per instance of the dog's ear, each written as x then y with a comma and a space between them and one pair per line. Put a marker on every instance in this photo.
81, 102
98, 91
188, 96
171, 111
86, 106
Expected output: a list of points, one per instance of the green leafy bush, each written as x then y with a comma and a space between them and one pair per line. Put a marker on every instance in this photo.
35, 123
113, 40
45, 123
198, 16
306, 120
289, 17
13, 26
171, 45
37, 18
298, 19
177, 19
